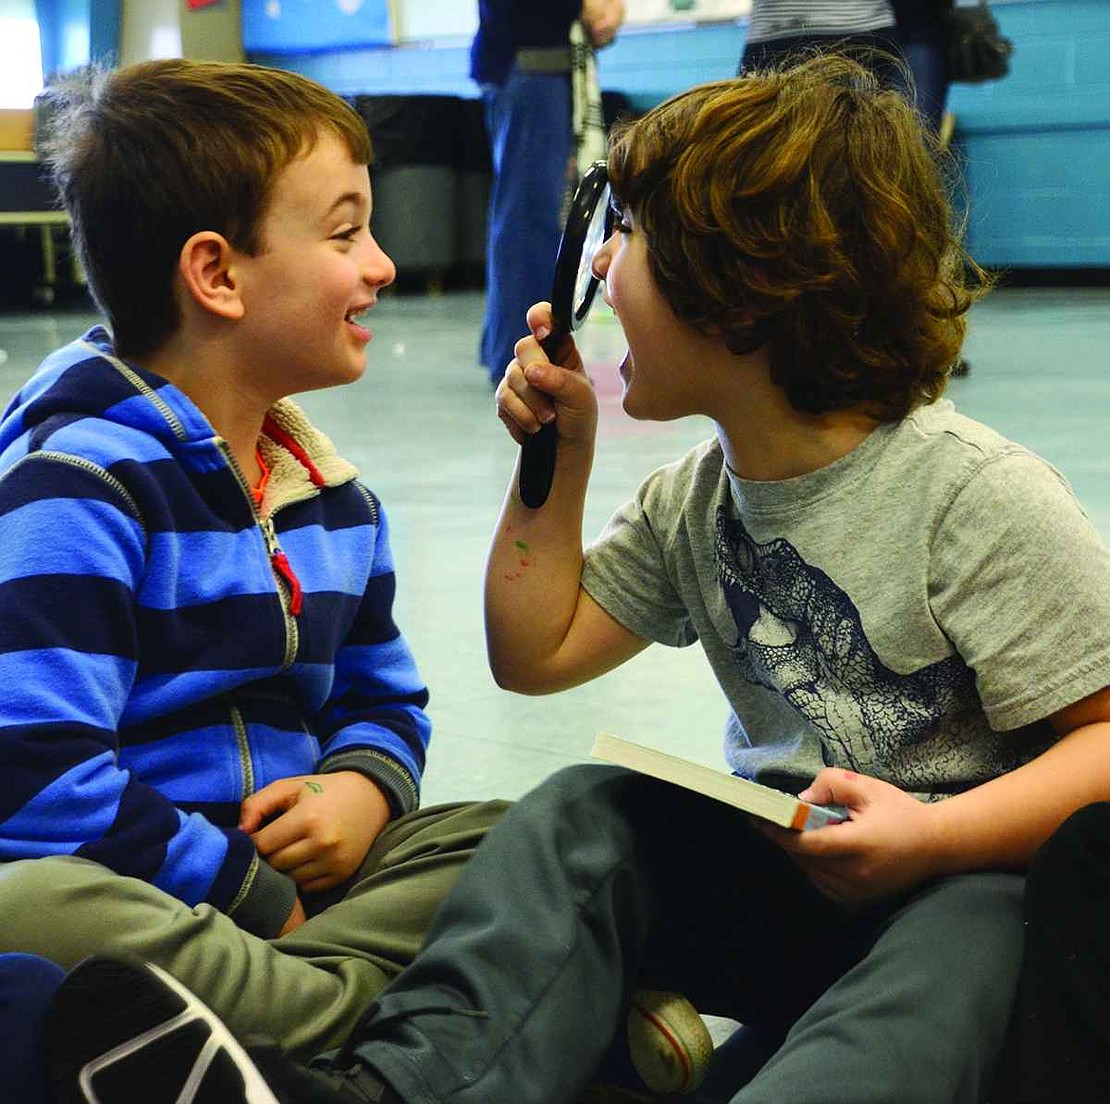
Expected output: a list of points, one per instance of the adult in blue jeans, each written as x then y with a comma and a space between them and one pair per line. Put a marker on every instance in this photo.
27, 986
521, 57
920, 26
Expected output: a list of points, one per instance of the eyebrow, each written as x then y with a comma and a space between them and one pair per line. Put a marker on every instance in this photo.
355, 199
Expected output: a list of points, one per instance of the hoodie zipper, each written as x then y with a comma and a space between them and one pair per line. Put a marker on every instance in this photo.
290, 594
243, 744
287, 584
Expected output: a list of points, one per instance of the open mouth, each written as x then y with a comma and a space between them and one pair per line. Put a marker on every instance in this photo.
358, 315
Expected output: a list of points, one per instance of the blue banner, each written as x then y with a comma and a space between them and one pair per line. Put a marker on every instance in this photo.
300, 26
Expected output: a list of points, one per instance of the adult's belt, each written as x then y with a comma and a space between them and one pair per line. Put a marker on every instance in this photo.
544, 59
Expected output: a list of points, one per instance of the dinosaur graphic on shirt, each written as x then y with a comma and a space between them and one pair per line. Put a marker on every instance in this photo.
801, 636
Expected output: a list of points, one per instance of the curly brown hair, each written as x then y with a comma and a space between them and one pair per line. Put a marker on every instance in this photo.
148, 155
805, 209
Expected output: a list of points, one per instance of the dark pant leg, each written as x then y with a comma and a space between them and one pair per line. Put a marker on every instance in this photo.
595, 882
602, 879
1058, 1051
920, 1019
928, 63
27, 986
529, 124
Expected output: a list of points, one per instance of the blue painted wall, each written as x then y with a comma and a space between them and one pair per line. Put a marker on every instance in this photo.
1036, 145
313, 25
73, 32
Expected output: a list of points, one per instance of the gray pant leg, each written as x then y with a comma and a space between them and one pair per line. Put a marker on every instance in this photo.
921, 1019
522, 981
305, 990
598, 879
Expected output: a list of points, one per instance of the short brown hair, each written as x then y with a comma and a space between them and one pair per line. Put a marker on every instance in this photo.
148, 155
805, 208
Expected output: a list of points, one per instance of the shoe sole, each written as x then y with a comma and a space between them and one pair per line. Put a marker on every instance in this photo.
668, 1041
121, 1032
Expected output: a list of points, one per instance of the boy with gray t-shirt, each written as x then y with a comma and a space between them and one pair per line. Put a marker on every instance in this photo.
908, 614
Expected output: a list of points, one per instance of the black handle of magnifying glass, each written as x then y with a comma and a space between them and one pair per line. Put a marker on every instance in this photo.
537, 454
568, 309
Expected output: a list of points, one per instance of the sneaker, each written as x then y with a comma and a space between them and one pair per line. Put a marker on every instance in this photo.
124, 1032
665, 1051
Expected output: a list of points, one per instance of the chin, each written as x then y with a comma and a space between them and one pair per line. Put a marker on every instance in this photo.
632, 409
354, 369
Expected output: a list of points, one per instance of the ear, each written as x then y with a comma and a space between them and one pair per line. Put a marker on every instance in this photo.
208, 274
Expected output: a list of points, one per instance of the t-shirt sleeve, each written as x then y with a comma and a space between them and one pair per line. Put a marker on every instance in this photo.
630, 570
1020, 583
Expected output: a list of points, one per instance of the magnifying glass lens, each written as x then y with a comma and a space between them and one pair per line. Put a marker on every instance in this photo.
597, 231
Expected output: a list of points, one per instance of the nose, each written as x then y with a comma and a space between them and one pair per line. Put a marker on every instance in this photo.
599, 266
378, 269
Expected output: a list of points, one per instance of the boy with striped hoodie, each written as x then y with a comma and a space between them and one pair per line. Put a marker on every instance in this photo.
212, 731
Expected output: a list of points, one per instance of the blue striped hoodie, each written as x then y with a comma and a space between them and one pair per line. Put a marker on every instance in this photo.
167, 647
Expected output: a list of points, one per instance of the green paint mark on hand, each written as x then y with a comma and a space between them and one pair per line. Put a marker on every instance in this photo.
315, 787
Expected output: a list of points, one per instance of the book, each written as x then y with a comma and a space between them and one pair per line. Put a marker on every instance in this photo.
759, 800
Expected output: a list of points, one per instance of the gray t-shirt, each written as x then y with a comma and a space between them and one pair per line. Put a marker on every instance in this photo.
913, 611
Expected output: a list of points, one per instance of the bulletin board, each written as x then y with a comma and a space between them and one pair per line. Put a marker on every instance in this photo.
301, 26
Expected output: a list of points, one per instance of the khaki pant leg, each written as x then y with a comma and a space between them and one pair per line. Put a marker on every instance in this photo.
306, 990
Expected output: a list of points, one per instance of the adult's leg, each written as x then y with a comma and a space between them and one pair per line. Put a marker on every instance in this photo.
1058, 1049
529, 123
926, 57
27, 985
305, 990
921, 1018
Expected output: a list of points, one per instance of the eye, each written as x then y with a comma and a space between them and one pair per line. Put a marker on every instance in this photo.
621, 219
347, 235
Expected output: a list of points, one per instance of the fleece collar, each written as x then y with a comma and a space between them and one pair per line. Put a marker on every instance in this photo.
301, 459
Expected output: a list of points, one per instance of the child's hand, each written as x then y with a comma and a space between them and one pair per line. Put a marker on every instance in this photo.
887, 847
296, 918
534, 390
324, 826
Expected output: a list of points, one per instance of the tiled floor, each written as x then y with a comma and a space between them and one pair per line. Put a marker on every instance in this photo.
421, 426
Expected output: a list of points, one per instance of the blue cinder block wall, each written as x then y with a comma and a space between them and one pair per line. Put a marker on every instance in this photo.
1036, 146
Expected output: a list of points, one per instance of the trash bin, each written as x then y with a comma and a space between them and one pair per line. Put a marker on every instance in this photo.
414, 178
475, 169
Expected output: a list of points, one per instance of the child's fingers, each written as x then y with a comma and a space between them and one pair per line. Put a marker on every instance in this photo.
294, 856
515, 431
539, 319
520, 404
309, 881
564, 385
834, 786
281, 832
276, 798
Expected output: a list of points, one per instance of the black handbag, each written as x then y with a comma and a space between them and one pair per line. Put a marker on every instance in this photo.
975, 47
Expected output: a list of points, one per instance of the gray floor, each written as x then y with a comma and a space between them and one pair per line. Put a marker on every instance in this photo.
421, 427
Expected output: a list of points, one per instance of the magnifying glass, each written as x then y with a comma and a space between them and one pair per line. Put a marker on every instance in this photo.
589, 224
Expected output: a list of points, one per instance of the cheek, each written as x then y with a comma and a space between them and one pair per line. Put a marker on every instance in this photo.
335, 287
630, 287
618, 290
